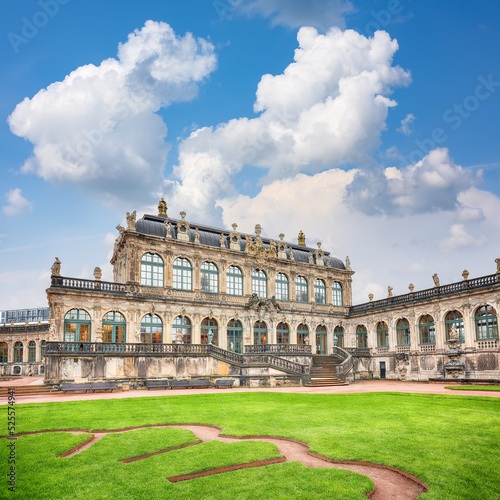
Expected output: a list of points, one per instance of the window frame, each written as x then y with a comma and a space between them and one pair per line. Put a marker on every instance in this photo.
114, 327
31, 351
4, 352
426, 328
282, 287
212, 277
152, 270
361, 337
455, 321
319, 292
151, 330
182, 275
185, 326
302, 333
260, 335
403, 333
301, 289
259, 283
80, 322
490, 323
206, 325
234, 281
382, 334
339, 331
337, 294
282, 333
18, 352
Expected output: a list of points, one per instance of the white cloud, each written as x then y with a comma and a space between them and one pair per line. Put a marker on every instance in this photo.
406, 122
98, 127
17, 204
327, 108
319, 13
459, 237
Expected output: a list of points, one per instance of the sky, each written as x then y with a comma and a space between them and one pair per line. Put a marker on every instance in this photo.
370, 125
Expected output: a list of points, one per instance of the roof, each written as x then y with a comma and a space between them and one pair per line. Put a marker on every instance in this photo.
154, 225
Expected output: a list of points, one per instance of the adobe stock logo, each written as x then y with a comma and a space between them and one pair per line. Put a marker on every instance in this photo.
31, 27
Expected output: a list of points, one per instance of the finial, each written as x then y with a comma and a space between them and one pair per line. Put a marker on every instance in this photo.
411, 286
370, 297
258, 229
319, 245
302, 238
498, 265
281, 235
182, 214
465, 274
162, 207
234, 226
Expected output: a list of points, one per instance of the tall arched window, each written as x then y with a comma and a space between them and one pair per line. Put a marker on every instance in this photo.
209, 332
486, 323
302, 334
183, 274
319, 292
77, 326
32, 352
382, 334
234, 281
209, 278
234, 336
43, 347
454, 319
338, 336
427, 329
181, 330
403, 332
18, 352
259, 333
301, 289
281, 287
337, 297
114, 327
151, 270
321, 347
259, 283
282, 334
151, 329
4, 352
361, 337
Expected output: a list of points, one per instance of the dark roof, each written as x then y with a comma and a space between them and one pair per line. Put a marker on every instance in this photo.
154, 225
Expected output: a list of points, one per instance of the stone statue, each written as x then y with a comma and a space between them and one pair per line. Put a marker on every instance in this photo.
498, 265
196, 236
389, 291
222, 240
436, 279
347, 263
453, 333
178, 337
168, 228
411, 286
131, 221
97, 273
272, 248
370, 297
465, 274
311, 258
56, 268
120, 228
52, 333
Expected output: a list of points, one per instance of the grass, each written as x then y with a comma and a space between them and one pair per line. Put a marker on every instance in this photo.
473, 387
450, 442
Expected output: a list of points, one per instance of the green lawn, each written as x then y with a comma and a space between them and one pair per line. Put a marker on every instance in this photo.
450, 442
473, 387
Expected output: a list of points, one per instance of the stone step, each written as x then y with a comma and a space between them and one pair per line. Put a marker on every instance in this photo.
27, 390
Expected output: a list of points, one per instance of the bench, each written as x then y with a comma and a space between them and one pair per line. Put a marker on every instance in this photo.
75, 387
102, 386
162, 384
224, 383
200, 383
180, 383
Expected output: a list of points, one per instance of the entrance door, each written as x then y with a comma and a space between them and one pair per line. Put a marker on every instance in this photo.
320, 342
234, 336
382, 369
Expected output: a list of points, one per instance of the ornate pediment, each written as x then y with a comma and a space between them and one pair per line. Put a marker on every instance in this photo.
258, 303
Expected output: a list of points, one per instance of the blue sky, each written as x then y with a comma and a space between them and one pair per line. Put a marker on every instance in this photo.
288, 113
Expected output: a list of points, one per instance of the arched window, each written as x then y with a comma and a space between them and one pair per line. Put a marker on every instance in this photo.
319, 292
77, 326
338, 336
18, 352
183, 274
181, 330
282, 334
302, 334
43, 347
151, 270
32, 352
209, 332
337, 297
234, 281
114, 326
234, 336
427, 329
4, 352
382, 334
454, 319
259, 283
486, 323
151, 329
321, 347
361, 337
209, 278
301, 289
281, 287
403, 332
259, 333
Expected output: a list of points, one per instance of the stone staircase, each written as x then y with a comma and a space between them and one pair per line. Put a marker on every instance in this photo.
27, 390
323, 372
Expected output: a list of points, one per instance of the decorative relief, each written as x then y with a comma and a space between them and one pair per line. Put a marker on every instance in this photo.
168, 229
234, 238
319, 255
131, 220
183, 228
258, 303
97, 273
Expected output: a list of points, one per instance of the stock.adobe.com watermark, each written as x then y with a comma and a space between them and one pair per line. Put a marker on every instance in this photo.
11, 431
31, 25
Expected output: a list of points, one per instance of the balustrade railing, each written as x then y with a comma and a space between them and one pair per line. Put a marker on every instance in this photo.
82, 284
279, 348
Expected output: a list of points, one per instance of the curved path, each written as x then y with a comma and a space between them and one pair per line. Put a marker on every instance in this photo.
390, 483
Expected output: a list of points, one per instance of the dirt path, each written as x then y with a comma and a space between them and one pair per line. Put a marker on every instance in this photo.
390, 483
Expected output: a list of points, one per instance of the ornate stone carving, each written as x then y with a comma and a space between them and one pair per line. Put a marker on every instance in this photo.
168, 229
311, 258
348, 263
197, 236
498, 265
162, 207
282, 246
222, 240
120, 228
131, 220
234, 238
411, 286
97, 273
183, 228
435, 279
56, 268
258, 303
465, 274
389, 291
370, 297
98, 334
320, 254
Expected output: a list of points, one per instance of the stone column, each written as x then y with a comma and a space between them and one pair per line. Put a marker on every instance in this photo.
440, 330
469, 326
223, 332
196, 339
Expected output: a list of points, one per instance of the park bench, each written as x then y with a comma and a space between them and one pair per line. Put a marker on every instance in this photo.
200, 383
224, 383
75, 387
102, 386
163, 384
180, 383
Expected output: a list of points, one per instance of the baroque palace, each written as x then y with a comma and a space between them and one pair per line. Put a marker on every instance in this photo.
189, 301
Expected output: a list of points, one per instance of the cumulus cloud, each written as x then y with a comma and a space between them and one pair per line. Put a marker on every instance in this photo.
327, 108
459, 237
406, 122
294, 13
99, 127
432, 184
17, 204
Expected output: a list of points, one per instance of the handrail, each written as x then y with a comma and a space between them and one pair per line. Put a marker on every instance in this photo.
343, 368
279, 348
83, 284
